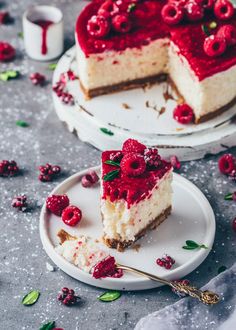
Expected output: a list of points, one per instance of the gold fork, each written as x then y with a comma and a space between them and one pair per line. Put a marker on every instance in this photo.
206, 297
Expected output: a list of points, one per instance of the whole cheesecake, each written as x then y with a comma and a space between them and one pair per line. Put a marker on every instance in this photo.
136, 193
124, 43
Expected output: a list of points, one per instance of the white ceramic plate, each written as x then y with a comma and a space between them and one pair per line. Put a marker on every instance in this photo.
192, 218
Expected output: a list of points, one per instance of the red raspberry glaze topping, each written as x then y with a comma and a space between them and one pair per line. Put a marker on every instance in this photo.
132, 145
107, 268
57, 203
98, 26
129, 188
193, 11
7, 52
228, 32
223, 9
172, 14
183, 114
226, 163
207, 4
71, 215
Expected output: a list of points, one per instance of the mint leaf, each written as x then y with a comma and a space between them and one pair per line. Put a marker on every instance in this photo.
106, 131
221, 269
111, 175
205, 29
20, 35
10, 74
48, 326
30, 298
228, 197
192, 245
111, 162
22, 123
52, 66
109, 296
131, 7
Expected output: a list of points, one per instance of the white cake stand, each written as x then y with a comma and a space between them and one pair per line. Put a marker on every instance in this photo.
144, 114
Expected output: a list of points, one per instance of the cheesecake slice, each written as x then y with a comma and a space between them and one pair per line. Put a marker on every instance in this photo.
136, 193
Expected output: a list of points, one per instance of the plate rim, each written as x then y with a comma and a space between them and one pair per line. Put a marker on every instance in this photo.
109, 283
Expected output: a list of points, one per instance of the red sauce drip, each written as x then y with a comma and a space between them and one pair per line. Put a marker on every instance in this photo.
44, 24
149, 26
131, 189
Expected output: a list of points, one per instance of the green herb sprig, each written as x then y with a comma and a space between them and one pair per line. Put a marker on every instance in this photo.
191, 245
109, 296
48, 326
111, 175
106, 131
112, 162
10, 74
31, 298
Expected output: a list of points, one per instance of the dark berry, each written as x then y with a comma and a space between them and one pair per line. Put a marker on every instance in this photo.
65, 290
133, 164
67, 98
57, 203
228, 32
166, 261
48, 172
175, 162
193, 11
37, 79
7, 52
121, 23
234, 224
89, 179
226, 163
5, 17
172, 14
71, 215
98, 26
132, 145
68, 297
8, 168
151, 157
20, 202
223, 9
183, 114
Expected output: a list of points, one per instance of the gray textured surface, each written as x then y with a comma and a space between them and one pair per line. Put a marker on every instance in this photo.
22, 259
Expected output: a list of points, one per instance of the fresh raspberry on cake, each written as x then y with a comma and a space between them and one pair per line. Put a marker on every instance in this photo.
193, 11
228, 32
98, 26
57, 203
132, 145
121, 23
223, 9
137, 199
214, 45
172, 13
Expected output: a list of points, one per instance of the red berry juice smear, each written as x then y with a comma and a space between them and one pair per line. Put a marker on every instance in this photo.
44, 24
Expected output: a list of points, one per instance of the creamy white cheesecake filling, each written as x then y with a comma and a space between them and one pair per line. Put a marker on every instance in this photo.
113, 67
203, 96
123, 223
83, 252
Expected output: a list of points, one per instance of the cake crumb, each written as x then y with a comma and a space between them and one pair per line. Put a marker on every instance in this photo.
126, 106
136, 247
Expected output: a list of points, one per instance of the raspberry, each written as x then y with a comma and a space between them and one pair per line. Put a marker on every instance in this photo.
151, 157
5, 18
206, 4
71, 215
166, 261
108, 8
67, 76
67, 297
57, 203
48, 172
133, 164
175, 162
98, 26
179, 3
183, 114
226, 163
7, 52
172, 14
106, 267
228, 32
234, 224
193, 11
8, 168
89, 179
121, 23
214, 46
20, 202
116, 156
37, 79
67, 98
223, 9
132, 145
